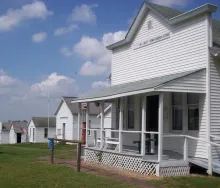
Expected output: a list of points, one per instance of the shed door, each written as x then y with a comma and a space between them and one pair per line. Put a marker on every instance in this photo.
33, 135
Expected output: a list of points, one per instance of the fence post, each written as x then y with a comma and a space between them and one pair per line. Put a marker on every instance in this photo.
51, 147
185, 148
78, 157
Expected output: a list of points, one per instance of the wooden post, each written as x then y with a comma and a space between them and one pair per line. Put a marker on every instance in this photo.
87, 123
78, 157
210, 159
102, 124
185, 149
160, 134
143, 135
52, 156
120, 125
79, 121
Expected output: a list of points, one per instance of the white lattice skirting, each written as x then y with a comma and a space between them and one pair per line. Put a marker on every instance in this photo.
174, 171
132, 163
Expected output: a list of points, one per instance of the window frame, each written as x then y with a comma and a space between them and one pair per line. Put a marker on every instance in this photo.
130, 109
192, 106
45, 133
176, 106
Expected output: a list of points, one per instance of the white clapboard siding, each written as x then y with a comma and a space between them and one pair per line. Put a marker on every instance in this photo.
40, 134
195, 82
185, 50
196, 148
5, 137
215, 103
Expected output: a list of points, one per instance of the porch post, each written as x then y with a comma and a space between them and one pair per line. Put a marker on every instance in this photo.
120, 125
143, 135
87, 123
102, 124
79, 120
160, 130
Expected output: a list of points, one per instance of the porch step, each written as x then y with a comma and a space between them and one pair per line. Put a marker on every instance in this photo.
153, 158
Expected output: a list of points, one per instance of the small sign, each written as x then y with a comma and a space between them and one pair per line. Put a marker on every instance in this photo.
152, 41
51, 144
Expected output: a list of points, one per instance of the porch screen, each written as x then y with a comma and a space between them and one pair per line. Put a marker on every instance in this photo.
131, 112
177, 111
193, 111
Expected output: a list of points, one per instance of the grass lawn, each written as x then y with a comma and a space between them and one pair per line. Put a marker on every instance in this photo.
19, 167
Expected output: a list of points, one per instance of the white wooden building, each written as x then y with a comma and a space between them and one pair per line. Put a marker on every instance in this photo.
38, 131
164, 94
67, 120
18, 132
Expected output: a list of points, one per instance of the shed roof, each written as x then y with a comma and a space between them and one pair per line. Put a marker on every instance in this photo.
215, 51
143, 86
43, 121
6, 126
93, 109
20, 126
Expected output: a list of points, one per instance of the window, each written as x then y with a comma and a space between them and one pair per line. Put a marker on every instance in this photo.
130, 103
193, 111
177, 111
45, 132
149, 25
58, 131
89, 131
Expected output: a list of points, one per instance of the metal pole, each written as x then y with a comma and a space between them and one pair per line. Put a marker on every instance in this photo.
48, 115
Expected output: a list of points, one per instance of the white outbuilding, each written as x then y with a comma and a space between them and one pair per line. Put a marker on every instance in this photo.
38, 129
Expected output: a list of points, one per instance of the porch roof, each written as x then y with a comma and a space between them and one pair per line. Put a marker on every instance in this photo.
132, 88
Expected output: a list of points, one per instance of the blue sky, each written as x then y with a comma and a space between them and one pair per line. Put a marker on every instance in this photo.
57, 47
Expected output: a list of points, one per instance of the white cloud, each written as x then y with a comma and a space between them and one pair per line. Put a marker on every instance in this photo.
171, 3
13, 18
56, 85
6, 80
39, 37
64, 30
98, 58
100, 84
66, 51
84, 13
92, 69
110, 38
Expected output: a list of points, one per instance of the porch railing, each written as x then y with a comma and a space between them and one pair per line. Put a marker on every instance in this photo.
186, 155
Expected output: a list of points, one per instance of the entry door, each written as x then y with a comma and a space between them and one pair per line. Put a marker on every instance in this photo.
18, 137
64, 130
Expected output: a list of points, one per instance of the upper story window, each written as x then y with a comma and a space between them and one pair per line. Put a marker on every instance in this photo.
193, 111
149, 25
177, 111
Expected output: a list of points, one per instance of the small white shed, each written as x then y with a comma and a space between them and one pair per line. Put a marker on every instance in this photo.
38, 129
18, 132
5, 133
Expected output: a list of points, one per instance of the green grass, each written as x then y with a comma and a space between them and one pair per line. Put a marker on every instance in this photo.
188, 182
20, 167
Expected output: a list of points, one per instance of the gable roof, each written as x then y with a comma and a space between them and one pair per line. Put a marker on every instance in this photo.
6, 126
132, 88
19, 127
43, 121
170, 15
93, 109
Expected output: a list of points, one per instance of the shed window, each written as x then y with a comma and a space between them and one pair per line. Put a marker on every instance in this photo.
193, 111
177, 111
130, 112
45, 132
149, 25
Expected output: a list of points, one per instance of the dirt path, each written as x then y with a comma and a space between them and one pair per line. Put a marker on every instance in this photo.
139, 181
